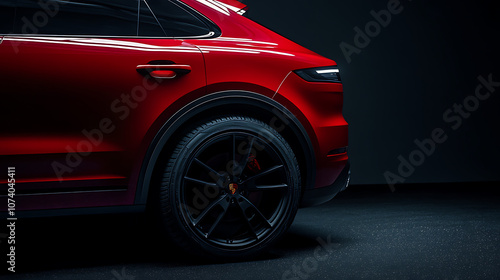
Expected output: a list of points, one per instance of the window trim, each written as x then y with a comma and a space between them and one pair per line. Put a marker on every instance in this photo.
214, 30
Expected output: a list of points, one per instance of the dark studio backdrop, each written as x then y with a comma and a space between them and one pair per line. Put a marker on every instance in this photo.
402, 84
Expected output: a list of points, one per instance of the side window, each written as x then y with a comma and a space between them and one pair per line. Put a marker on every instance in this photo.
77, 17
177, 20
148, 23
7, 12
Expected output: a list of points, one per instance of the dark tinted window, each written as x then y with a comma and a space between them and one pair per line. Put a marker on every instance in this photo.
77, 17
177, 20
7, 12
148, 24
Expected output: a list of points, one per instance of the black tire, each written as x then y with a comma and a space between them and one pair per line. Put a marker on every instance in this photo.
230, 189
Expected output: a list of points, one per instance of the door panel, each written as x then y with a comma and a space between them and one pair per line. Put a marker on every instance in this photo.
77, 109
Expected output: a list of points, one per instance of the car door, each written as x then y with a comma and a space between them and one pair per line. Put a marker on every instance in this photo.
82, 83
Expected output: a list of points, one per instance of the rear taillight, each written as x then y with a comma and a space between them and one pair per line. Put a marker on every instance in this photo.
329, 74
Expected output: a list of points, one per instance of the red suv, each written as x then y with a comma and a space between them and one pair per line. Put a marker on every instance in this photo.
219, 125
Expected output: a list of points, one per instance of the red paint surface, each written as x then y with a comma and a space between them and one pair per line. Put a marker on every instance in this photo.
84, 96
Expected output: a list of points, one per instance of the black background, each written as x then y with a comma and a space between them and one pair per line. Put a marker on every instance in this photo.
399, 86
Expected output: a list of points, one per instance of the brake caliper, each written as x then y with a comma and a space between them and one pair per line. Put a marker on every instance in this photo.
253, 164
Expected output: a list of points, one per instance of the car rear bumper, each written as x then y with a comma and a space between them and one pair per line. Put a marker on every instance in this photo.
312, 197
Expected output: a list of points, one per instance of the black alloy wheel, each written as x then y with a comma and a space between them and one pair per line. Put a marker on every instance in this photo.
230, 189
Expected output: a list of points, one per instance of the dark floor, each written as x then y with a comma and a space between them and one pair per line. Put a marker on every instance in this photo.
417, 232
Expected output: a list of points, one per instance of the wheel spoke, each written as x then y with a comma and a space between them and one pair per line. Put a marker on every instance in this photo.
248, 222
246, 204
270, 170
247, 157
219, 202
233, 171
200, 182
267, 187
219, 218
208, 168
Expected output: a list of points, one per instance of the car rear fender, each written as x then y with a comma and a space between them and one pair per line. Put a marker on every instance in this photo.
205, 104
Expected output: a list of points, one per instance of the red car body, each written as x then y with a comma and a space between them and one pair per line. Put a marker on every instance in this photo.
80, 122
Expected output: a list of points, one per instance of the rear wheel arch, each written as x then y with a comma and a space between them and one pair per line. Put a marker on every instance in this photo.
242, 103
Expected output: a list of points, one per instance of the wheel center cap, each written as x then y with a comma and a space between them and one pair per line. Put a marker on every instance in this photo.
233, 187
